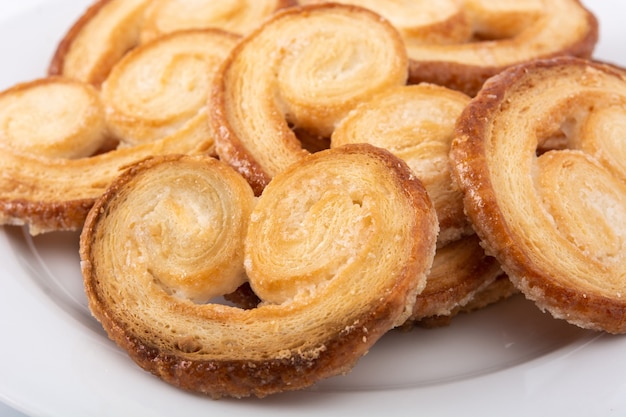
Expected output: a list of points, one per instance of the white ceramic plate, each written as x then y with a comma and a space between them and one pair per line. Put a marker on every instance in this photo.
509, 359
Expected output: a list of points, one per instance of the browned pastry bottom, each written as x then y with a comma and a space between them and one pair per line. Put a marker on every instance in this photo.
460, 271
499, 290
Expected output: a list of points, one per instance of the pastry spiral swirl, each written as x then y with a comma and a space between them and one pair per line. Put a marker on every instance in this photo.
158, 87
305, 68
53, 117
109, 29
98, 40
415, 123
333, 268
49, 194
539, 155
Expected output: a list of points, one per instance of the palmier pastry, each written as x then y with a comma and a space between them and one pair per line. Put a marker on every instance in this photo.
158, 87
539, 155
337, 247
305, 68
98, 40
236, 16
559, 27
55, 194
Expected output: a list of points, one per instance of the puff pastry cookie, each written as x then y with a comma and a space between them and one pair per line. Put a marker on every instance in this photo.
334, 268
305, 68
53, 118
539, 154
460, 272
109, 29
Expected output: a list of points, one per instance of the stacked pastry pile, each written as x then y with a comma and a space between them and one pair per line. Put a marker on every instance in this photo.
293, 160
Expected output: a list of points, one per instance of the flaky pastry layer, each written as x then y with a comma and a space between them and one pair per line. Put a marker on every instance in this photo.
52, 118
416, 123
459, 44
109, 29
460, 271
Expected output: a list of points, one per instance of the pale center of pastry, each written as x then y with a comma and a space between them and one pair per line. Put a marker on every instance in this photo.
56, 120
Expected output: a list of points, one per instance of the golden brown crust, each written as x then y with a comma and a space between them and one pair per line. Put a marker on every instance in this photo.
58, 58
416, 123
225, 351
492, 20
501, 289
461, 44
260, 95
55, 194
533, 211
